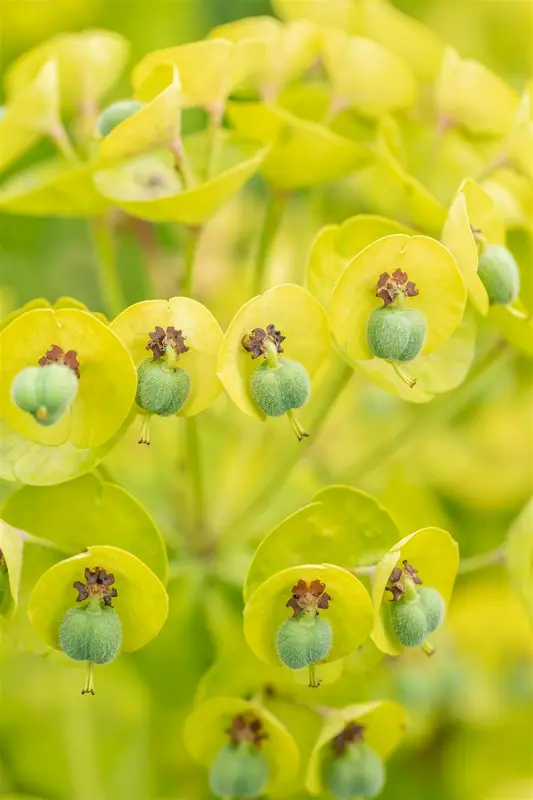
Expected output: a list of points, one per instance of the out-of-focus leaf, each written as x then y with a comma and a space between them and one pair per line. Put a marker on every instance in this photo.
519, 554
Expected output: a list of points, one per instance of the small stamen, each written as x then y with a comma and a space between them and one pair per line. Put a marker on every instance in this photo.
389, 287
308, 597
145, 430
258, 340
160, 339
97, 585
398, 577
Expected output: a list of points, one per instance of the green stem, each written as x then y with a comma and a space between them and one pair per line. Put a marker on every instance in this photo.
193, 241
313, 683
213, 139
62, 141
108, 279
490, 559
194, 463
273, 214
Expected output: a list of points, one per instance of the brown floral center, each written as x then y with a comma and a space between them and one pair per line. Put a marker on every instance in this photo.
308, 597
246, 729
258, 341
353, 733
397, 578
390, 286
56, 355
160, 339
98, 583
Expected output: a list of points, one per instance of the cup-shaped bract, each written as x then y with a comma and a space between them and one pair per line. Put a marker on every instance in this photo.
335, 13
469, 94
88, 62
294, 312
303, 153
206, 733
349, 613
209, 70
428, 264
366, 76
141, 602
201, 333
383, 724
11, 549
149, 187
435, 556
107, 379
288, 50
155, 125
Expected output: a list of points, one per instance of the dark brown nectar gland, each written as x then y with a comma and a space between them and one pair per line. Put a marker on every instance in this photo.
390, 287
246, 729
56, 355
98, 583
308, 598
353, 733
160, 339
397, 580
259, 340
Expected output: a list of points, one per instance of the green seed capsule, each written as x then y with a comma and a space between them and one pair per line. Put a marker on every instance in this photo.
396, 334
45, 392
280, 388
358, 772
409, 622
304, 640
433, 605
116, 113
499, 274
161, 390
238, 771
91, 633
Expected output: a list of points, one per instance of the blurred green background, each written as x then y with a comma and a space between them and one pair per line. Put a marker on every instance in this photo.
463, 463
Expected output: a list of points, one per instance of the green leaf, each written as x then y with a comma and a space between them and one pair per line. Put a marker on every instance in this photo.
519, 553
342, 525
77, 513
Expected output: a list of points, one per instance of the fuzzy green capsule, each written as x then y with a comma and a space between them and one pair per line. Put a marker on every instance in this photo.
160, 389
238, 771
396, 334
280, 388
116, 113
433, 606
304, 640
358, 772
92, 632
45, 392
498, 272
409, 622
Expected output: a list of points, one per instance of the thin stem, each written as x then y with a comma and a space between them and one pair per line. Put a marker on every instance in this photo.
194, 462
62, 141
181, 164
296, 426
490, 559
89, 680
428, 648
213, 138
191, 252
108, 279
313, 682
273, 214
402, 374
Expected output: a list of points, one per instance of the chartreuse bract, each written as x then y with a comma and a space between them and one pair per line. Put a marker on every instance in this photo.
273, 347
348, 758
174, 345
11, 547
96, 604
411, 588
420, 308
65, 377
307, 615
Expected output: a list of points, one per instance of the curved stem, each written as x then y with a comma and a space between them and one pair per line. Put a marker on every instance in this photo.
108, 279
193, 240
213, 138
62, 141
194, 461
273, 214
490, 559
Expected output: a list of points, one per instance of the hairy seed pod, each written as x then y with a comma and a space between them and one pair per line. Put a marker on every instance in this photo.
409, 622
433, 605
45, 392
498, 272
281, 388
358, 772
161, 390
304, 640
238, 771
116, 113
91, 633
396, 334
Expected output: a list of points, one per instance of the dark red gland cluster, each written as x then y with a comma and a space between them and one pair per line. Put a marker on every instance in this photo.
396, 585
56, 355
161, 339
390, 286
256, 341
246, 729
98, 583
352, 734
308, 597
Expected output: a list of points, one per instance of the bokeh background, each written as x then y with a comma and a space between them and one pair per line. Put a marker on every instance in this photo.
463, 462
